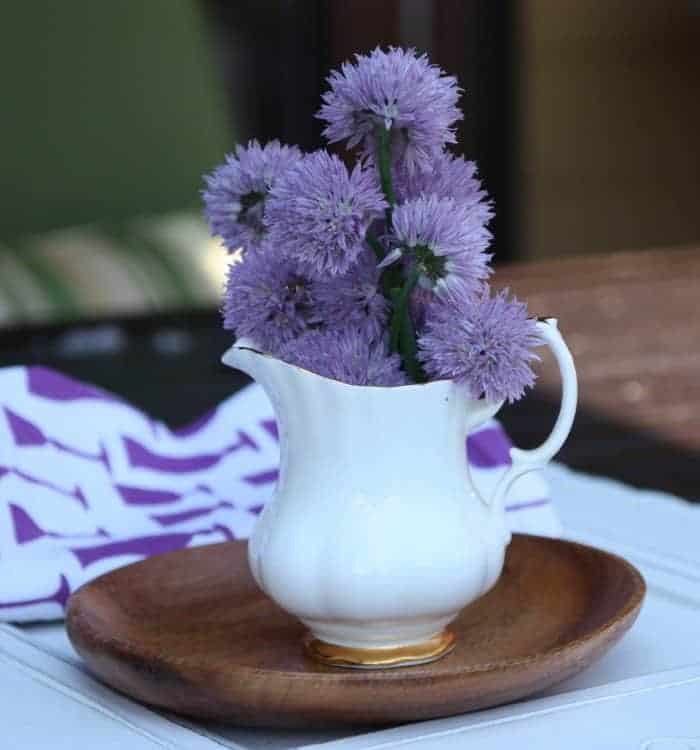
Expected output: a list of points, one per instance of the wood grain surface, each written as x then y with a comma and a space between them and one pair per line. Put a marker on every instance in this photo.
190, 632
632, 321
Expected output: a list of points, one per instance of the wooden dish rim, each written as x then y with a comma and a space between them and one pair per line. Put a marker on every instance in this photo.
120, 650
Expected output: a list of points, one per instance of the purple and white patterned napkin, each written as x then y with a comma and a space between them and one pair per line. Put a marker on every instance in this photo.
89, 483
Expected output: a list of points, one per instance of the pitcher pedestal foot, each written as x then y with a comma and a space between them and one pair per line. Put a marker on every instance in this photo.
380, 658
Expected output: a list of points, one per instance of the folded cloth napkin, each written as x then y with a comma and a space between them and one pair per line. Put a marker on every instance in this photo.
89, 483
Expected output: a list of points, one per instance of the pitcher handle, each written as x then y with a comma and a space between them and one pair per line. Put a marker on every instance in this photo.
524, 461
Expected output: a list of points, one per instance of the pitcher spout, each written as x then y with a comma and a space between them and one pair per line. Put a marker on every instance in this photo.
244, 355
290, 389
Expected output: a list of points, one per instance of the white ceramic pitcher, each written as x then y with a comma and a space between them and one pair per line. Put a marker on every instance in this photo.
376, 537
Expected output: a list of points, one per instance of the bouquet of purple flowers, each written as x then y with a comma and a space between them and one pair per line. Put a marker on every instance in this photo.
375, 275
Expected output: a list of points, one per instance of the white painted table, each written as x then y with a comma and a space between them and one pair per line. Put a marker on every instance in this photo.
645, 694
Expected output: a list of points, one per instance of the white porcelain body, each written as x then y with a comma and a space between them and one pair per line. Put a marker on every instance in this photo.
376, 536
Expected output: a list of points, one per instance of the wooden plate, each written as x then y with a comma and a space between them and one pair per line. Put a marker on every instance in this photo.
190, 632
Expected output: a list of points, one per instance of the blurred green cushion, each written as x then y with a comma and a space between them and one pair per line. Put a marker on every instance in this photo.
110, 110
144, 265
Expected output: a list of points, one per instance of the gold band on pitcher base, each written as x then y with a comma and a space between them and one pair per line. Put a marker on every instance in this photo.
380, 658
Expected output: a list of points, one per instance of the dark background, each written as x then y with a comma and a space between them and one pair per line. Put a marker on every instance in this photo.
583, 117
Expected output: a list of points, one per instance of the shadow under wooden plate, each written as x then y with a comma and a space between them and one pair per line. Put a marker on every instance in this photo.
190, 632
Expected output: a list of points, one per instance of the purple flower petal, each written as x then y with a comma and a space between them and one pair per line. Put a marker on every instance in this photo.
236, 192
398, 90
318, 213
347, 356
446, 241
485, 343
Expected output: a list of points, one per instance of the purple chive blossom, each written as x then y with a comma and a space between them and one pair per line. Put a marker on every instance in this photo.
485, 344
445, 241
236, 191
397, 90
318, 213
345, 355
354, 300
450, 177
267, 300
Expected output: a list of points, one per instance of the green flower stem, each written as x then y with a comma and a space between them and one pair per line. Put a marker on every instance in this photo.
402, 337
390, 276
390, 280
376, 246
384, 165
409, 351
400, 298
